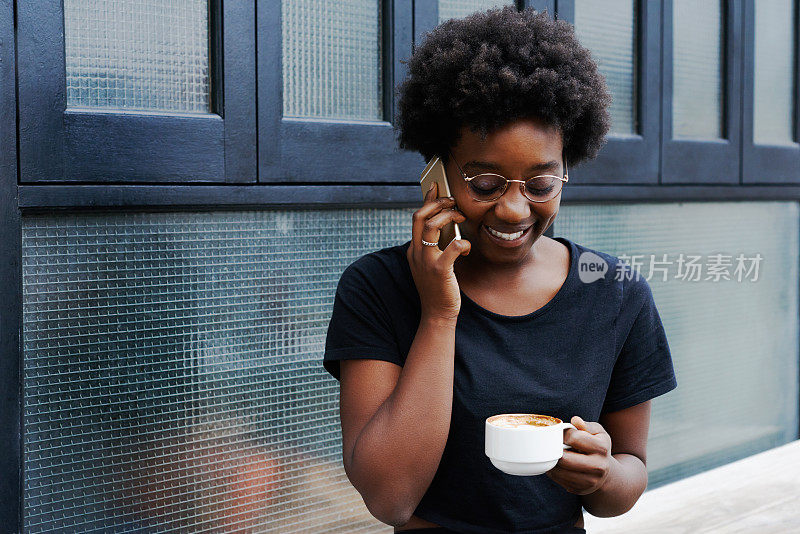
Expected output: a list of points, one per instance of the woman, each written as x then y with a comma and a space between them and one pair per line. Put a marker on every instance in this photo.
427, 343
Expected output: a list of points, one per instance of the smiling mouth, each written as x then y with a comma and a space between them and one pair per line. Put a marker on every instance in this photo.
511, 239
507, 237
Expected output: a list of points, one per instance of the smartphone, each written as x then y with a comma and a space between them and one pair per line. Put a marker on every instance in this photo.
434, 172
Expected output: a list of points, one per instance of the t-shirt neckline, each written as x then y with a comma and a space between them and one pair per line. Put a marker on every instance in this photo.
568, 284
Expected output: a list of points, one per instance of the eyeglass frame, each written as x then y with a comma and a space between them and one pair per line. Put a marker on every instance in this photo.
522, 183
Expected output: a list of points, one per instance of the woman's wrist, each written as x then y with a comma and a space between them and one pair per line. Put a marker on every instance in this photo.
438, 321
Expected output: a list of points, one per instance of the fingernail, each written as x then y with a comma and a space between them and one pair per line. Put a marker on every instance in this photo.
431, 188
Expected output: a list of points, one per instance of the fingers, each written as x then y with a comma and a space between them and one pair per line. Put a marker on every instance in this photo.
431, 232
588, 443
421, 228
417, 219
591, 427
432, 227
579, 423
579, 463
572, 481
456, 248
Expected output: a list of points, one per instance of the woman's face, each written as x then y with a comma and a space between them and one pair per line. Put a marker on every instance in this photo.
519, 150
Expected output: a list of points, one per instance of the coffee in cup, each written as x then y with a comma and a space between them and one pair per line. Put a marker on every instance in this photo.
516, 420
525, 443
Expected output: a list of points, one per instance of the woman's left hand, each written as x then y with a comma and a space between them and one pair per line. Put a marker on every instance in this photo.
584, 468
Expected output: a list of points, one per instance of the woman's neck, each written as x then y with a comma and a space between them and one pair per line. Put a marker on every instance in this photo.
476, 270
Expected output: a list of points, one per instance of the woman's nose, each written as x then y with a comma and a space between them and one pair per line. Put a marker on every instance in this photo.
513, 205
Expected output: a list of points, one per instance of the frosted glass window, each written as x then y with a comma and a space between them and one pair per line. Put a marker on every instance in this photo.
608, 29
332, 58
137, 54
697, 62
773, 106
734, 343
172, 376
456, 9
171, 361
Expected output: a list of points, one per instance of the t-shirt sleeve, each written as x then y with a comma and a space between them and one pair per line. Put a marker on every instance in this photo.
360, 325
643, 369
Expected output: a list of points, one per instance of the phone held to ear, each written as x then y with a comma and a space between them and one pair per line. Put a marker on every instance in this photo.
434, 172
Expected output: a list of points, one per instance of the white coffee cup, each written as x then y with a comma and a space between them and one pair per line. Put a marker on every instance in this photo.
526, 449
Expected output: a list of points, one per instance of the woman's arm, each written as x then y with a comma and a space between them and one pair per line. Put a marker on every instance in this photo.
608, 465
395, 421
626, 482
628, 429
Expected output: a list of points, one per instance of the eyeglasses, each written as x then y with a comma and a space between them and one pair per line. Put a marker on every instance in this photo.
487, 187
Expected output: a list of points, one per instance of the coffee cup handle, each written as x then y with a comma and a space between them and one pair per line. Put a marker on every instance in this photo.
565, 426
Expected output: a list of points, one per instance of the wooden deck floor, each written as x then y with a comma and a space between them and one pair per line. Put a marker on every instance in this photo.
759, 494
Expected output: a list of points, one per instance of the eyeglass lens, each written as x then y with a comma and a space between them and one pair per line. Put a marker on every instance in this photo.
491, 186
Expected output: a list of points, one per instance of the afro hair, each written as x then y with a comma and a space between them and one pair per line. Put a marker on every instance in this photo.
494, 67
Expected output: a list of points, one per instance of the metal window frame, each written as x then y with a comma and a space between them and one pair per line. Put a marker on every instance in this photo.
767, 163
11, 465
336, 196
714, 161
632, 159
317, 150
60, 144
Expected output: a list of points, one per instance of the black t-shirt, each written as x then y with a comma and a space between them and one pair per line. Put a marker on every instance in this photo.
595, 347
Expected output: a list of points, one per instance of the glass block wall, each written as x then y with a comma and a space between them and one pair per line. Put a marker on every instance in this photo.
137, 54
734, 343
172, 371
172, 361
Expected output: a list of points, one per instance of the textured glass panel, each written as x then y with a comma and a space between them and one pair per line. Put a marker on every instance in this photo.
697, 54
172, 376
456, 9
171, 360
332, 59
608, 29
773, 106
734, 343
137, 54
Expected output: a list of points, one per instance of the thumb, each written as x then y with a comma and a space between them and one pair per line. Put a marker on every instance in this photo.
579, 423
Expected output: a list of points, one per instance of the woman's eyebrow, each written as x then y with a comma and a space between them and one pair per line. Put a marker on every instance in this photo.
550, 165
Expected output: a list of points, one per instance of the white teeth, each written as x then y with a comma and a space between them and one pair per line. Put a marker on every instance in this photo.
507, 237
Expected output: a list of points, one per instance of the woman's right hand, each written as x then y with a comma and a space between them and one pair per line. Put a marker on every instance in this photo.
432, 268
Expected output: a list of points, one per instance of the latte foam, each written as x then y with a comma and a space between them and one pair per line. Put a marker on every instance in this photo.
517, 420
